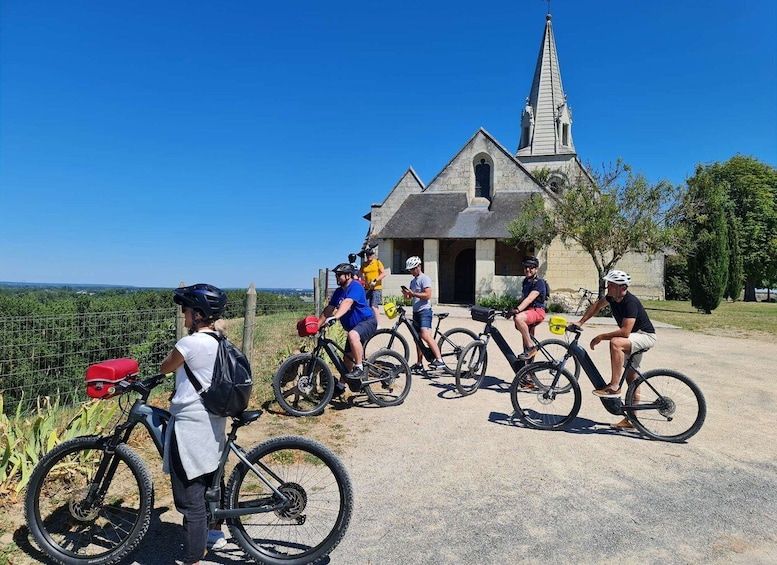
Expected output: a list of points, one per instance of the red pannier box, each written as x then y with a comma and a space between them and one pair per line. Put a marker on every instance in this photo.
101, 378
307, 326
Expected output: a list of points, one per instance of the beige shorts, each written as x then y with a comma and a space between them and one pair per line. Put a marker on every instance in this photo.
639, 340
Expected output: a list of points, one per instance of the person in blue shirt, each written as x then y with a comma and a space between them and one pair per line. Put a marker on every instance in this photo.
531, 309
349, 305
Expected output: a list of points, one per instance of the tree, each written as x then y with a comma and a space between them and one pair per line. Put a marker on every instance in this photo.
609, 212
708, 259
752, 187
735, 263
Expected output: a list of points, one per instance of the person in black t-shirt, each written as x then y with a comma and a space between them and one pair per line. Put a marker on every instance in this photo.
635, 331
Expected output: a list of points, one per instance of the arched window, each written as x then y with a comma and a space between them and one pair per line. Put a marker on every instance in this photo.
484, 174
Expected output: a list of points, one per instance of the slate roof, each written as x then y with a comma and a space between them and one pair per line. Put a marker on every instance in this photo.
446, 215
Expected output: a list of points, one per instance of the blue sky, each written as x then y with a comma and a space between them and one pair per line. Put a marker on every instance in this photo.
147, 143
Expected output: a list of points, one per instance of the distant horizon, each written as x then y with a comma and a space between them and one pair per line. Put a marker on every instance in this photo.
131, 286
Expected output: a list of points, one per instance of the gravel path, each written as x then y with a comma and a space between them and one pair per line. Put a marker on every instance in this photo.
445, 479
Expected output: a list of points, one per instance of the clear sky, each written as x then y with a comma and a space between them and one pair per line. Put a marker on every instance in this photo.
147, 143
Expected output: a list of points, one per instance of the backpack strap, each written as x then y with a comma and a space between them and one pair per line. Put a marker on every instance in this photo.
192, 379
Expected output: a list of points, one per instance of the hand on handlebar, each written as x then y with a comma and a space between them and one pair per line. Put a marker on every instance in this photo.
330, 321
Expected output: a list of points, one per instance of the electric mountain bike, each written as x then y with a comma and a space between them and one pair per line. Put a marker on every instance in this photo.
450, 343
472, 363
303, 385
89, 500
661, 404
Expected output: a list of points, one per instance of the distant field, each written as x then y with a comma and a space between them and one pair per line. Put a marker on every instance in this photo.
743, 319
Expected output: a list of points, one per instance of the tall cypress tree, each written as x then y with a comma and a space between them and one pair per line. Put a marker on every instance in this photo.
708, 260
736, 273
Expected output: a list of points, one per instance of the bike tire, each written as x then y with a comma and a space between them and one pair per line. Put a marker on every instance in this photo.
395, 377
303, 385
544, 406
70, 532
557, 348
316, 481
387, 339
452, 342
680, 405
471, 368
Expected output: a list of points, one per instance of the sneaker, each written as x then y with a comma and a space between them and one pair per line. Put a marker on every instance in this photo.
418, 368
216, 540
608, 392
528, 353
623, 425
356, 374
437, 364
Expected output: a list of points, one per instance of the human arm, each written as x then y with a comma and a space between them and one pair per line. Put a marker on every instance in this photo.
527, 301
591, 311
623, 331
172, 362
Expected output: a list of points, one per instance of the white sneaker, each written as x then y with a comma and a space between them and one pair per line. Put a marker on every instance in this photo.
216, 540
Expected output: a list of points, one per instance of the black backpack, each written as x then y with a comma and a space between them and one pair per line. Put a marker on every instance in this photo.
230, 388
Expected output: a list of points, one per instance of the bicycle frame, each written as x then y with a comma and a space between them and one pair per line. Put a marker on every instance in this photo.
403, 320
156, 420
489, 331
336, 354
612, 405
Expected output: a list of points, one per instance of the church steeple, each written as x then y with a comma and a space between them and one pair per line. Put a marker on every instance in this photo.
546, 121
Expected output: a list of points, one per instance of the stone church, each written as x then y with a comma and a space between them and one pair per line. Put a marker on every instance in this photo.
458, 223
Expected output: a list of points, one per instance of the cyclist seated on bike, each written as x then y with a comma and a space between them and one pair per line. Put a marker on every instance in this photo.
349, 305
531, 309
195, 438
421, 292
635, 331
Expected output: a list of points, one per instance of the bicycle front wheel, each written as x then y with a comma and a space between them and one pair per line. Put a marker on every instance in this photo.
543, 401
303, 385
387, 339
313, 519
667, 405
451, 344
471, 368
76, 518
388, 378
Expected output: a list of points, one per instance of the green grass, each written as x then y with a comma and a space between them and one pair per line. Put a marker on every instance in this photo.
736, 319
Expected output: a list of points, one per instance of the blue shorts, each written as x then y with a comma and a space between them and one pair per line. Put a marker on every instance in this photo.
422, 319
366, 329
375, 298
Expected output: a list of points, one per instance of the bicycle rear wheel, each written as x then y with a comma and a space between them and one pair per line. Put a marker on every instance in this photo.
387, 339
317, 514
303, 385
71, 521
671, 406
452, 342
556, 349
539, 403
394, 378
471, 368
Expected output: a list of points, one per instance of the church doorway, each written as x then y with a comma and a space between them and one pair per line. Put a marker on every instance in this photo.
464, 277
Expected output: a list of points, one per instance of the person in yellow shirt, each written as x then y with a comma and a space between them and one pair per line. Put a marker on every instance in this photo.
372, 273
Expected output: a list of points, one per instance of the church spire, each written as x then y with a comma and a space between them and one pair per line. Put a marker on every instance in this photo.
546, 121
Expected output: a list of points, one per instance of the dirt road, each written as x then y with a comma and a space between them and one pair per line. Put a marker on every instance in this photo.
445, 479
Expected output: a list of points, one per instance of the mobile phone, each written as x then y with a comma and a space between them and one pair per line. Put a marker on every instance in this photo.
404, 288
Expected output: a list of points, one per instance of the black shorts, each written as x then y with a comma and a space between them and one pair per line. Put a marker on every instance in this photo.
366, 329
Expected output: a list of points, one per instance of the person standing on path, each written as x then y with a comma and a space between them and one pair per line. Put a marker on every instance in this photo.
421, 292
372, 273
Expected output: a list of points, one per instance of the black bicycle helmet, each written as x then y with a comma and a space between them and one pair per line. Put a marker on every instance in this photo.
209, 300
531, 261
344, 268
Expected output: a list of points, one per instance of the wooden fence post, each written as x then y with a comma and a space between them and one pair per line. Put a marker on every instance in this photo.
316, 298
180, 329
249, 320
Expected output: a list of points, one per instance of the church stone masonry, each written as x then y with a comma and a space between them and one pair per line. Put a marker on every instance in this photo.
457, 223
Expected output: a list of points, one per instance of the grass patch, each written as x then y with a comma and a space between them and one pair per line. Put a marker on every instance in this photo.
736, 319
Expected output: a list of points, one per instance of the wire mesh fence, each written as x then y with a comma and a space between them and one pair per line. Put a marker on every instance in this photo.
47, 355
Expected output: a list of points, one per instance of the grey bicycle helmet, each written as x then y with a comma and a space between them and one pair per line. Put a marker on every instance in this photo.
344, 268
531, 261
207, 299
618, 277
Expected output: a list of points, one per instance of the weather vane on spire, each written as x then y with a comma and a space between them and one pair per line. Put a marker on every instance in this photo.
548, 1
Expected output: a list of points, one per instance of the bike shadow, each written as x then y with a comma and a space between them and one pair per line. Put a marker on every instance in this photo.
580, 426
448, 387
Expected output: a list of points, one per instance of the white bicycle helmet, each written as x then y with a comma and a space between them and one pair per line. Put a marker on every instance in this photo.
412, 263
618, 277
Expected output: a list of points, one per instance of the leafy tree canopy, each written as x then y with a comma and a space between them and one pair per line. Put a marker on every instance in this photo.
609, 212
